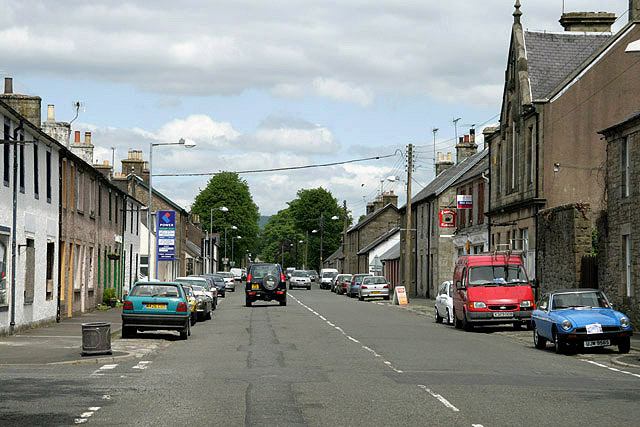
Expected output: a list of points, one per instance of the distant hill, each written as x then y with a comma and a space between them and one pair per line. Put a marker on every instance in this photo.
262, 221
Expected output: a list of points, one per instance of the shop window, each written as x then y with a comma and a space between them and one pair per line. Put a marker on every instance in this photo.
50, 269
30, 271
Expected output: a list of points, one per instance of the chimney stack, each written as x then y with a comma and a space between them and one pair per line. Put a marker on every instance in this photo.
27, 106
87, 138
8, 85
443, 163
84, 150
589, 22
77, 137
51, 113
634, 10
466, 148
105, 169
60, 131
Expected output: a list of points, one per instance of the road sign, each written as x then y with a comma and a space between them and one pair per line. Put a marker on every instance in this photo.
166, 238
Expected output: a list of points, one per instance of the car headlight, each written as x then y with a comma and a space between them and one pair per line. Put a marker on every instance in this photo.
566, 325
525, 304
478, 304
624, 322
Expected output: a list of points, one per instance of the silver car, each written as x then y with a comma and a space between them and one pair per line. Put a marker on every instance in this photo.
300, 279
373, 286
444, 303
229, 280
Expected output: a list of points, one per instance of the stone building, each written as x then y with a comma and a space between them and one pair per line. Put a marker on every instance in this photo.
29, 249
620, 240
372, 226
370, 254
560, 89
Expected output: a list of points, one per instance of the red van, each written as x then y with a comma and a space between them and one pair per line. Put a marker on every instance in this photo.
491, 289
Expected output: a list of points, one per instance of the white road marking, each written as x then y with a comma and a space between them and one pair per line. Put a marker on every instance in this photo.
352, 339
109, 366
322, 317
106, 397
80, 420
86, 414
330, 324
611, 368
94, 408
142, 365
442, 400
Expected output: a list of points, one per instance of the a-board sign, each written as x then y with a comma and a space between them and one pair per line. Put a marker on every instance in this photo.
400, 296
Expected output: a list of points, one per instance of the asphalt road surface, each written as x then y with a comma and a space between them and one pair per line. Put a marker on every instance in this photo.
327, 360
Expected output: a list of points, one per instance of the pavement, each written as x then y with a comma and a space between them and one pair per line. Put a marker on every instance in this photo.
61, 343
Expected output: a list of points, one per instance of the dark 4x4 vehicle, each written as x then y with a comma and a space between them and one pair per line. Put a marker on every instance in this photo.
265, 282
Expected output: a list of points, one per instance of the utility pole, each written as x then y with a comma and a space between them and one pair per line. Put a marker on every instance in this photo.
407, 268
321, 233
434, 130
344, 233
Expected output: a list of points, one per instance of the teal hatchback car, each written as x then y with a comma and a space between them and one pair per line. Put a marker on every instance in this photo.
156, 306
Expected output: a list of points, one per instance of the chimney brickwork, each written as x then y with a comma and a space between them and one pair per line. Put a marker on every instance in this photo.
467, 146
83, 149
597, 22
27, 106
634, 10
60, 131
443, 163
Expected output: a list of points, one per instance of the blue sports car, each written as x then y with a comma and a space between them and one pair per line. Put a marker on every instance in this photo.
578, 319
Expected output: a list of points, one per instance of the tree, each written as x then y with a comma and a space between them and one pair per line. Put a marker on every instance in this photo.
279, 240
229, 190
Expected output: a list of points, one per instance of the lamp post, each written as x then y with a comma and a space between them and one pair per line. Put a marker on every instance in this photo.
234, 237
188, 144
335, 217
233, 227
207, 248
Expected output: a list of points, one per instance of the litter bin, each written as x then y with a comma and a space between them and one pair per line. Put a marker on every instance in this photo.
96, 338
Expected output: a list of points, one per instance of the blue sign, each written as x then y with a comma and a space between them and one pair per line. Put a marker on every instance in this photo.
166, 236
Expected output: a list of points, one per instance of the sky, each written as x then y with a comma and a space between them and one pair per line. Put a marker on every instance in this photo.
283, 83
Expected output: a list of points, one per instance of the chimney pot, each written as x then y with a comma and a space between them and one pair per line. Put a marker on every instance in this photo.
449, 156
106, 162
87, 138
466, 139
51, 115
77, 137
8, 85
472, 136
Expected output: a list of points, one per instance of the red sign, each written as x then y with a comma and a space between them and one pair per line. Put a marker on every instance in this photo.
447, 218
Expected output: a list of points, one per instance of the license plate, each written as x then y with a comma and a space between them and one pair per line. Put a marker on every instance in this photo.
503, 314
375, 292
156, 306
255, 286
597, 343
595, 328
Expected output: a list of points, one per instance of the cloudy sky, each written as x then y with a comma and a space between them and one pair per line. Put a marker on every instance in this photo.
269, 84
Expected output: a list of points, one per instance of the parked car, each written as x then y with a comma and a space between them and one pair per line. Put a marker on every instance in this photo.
191, 298
491, 289
204, 303
326, 276
237, 273
265, 282
205, 283
211, 288
220, 284
354, 285
229, 280
313, 275
577, 319
289, 271
300, 279
374, 286
444, 303
156, 306
342, 282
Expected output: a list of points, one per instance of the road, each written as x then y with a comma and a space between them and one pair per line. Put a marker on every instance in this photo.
327, 360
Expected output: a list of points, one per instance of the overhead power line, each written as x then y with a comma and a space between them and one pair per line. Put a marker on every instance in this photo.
321, 165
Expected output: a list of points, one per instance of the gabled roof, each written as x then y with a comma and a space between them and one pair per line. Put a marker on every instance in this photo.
447, 178
367, 219
475, 170
392, 253
552, 57
157, 193
338, 254
379, 240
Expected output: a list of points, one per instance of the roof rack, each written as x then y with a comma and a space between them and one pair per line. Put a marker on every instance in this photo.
507, 252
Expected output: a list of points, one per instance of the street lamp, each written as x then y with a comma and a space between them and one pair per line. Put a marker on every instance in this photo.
188, 144
207, 248
335, 217
234, 237
233, 227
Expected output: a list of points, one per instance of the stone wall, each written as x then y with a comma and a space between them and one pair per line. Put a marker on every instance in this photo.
564, 238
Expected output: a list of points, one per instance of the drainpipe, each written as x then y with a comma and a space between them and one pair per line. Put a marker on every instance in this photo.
537, 206
60, 266
13, 231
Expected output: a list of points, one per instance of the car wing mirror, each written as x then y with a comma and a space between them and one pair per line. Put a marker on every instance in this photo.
534, 283
459, 285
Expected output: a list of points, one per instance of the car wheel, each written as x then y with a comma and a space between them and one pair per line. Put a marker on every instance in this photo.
436, 316
559, 346
208, 317
184, 334
247, 302
465, 323
538, 341
128, 332
516, 325
194, 319
360, 298
456, 322
449, 318
624, 345
309, 287
386, 297
283, 302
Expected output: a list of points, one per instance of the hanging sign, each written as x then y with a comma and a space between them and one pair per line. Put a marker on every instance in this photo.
447, 218
166, 238
465, 201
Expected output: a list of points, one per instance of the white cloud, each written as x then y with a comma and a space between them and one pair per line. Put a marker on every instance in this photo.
341, 91
201, 128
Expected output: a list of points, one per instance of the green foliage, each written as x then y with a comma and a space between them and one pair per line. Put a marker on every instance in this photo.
108, 295
361, 217
229, 190
311, 210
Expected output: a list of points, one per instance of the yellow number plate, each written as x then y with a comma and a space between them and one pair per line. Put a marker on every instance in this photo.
156, 306
255, 286
375, 292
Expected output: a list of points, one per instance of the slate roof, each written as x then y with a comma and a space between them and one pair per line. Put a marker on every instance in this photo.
392, 253
552, 57
443, 181
379, 240
476, 170
371, 216
338, 254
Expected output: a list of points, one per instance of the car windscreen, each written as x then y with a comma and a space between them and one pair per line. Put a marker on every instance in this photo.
375, 280
192, 281
579, 300
261, 271
496, 275
155, 290
198, 288
299, 273
330, 275
226, 274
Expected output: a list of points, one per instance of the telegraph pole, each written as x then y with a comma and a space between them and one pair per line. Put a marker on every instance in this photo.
344, 234
407, 268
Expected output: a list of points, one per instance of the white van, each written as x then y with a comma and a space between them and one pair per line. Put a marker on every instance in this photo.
237, 273
326, 276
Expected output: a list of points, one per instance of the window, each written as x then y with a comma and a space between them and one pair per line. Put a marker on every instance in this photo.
92, 205
498, 163
144, 265
90, 269
7, 152
48, 161
624, 167
4, 258
30, 271
21, 160
80, 192
72, 190
626, 266
480, 202
65, 183
50, 269
532, 155
36, 190
99, 200
116, 209
110, 212
137, 220
77, 263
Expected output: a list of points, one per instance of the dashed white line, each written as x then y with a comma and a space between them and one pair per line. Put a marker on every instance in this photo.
611, 368
352, 339
144, 364
442, 400
98, 372
86, 415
